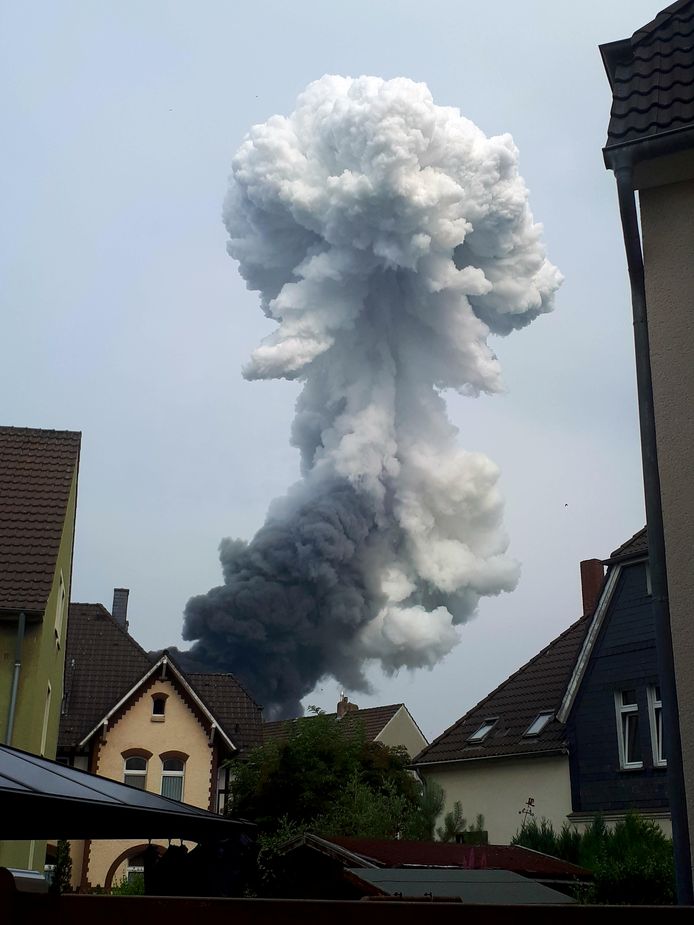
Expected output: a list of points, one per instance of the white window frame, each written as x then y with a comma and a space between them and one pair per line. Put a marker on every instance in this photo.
655, 720
622, 711
134, 772
168, 775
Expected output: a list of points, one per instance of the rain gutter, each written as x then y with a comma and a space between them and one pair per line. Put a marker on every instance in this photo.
21, 629
623, 169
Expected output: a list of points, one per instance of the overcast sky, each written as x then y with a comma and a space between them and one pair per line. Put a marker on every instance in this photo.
122, 316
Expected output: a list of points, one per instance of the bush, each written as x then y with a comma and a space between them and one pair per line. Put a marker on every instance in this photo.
135, 886
632, 863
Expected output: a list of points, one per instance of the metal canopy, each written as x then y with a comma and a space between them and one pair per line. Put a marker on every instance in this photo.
41, 799
471, 886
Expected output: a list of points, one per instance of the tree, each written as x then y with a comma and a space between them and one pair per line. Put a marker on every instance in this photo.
329, 778
62, 874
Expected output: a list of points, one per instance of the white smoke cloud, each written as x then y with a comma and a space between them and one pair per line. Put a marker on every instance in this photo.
387, 237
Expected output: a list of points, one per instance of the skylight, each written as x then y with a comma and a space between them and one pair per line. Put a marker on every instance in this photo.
538, 724
484, 729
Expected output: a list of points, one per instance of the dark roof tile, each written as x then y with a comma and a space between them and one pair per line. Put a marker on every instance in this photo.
373, 719
535, 688
37, 468
652, 77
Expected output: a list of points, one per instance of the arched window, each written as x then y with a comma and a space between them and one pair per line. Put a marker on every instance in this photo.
135, 771
172, 778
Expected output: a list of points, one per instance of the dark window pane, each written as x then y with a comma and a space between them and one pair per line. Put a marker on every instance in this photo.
631, 738
628, 697
158, 706
172, 764
136, 764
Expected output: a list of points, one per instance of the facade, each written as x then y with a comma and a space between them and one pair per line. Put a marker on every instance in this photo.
38, 499
577, 730
650, 147
146, 723
391, 725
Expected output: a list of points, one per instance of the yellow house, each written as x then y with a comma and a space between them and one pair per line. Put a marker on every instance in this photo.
148, 724
38, 499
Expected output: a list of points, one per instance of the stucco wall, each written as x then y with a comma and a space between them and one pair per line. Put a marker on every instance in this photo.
43, 661
401, 730
499, 788
180, 732
667, 218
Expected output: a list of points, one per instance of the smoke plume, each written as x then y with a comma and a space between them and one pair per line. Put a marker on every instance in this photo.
388, 238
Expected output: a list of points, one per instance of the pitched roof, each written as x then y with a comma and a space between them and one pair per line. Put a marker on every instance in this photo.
535, 688
652, 77
229, 702
373, 719
103, 663
376, 852
635, 547
36, 472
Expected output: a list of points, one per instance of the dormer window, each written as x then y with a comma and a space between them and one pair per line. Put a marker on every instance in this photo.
158, 707
483, 730
538, 724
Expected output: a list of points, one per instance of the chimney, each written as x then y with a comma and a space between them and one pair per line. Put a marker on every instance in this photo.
344, 706
119, 611
592, 575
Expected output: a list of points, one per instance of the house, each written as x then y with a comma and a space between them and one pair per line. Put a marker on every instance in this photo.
575, 731
339, 867
392, 725
145, 722
38, 499
650, 148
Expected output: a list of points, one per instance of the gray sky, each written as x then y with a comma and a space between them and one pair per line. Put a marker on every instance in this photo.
123, 317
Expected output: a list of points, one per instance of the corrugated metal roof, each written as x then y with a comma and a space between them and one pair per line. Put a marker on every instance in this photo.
471, 886
394, 853
36, 472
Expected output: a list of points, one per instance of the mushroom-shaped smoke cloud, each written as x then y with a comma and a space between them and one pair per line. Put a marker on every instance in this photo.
387, 237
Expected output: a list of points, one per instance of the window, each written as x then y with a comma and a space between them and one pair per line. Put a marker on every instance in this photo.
172, 778
46, 718
628, 729
655, 717
135, 771
483, 730
59, 611
135, 870
538, 724
158, 707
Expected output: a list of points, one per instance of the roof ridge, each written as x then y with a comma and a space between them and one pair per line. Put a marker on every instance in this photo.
501, 686
9, 429
670, 13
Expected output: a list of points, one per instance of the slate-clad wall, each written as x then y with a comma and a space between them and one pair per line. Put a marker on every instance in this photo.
623, 657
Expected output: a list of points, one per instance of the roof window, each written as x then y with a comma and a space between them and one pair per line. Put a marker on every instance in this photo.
538, 724
483, 730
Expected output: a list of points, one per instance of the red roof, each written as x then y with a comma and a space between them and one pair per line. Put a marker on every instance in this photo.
470, 857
